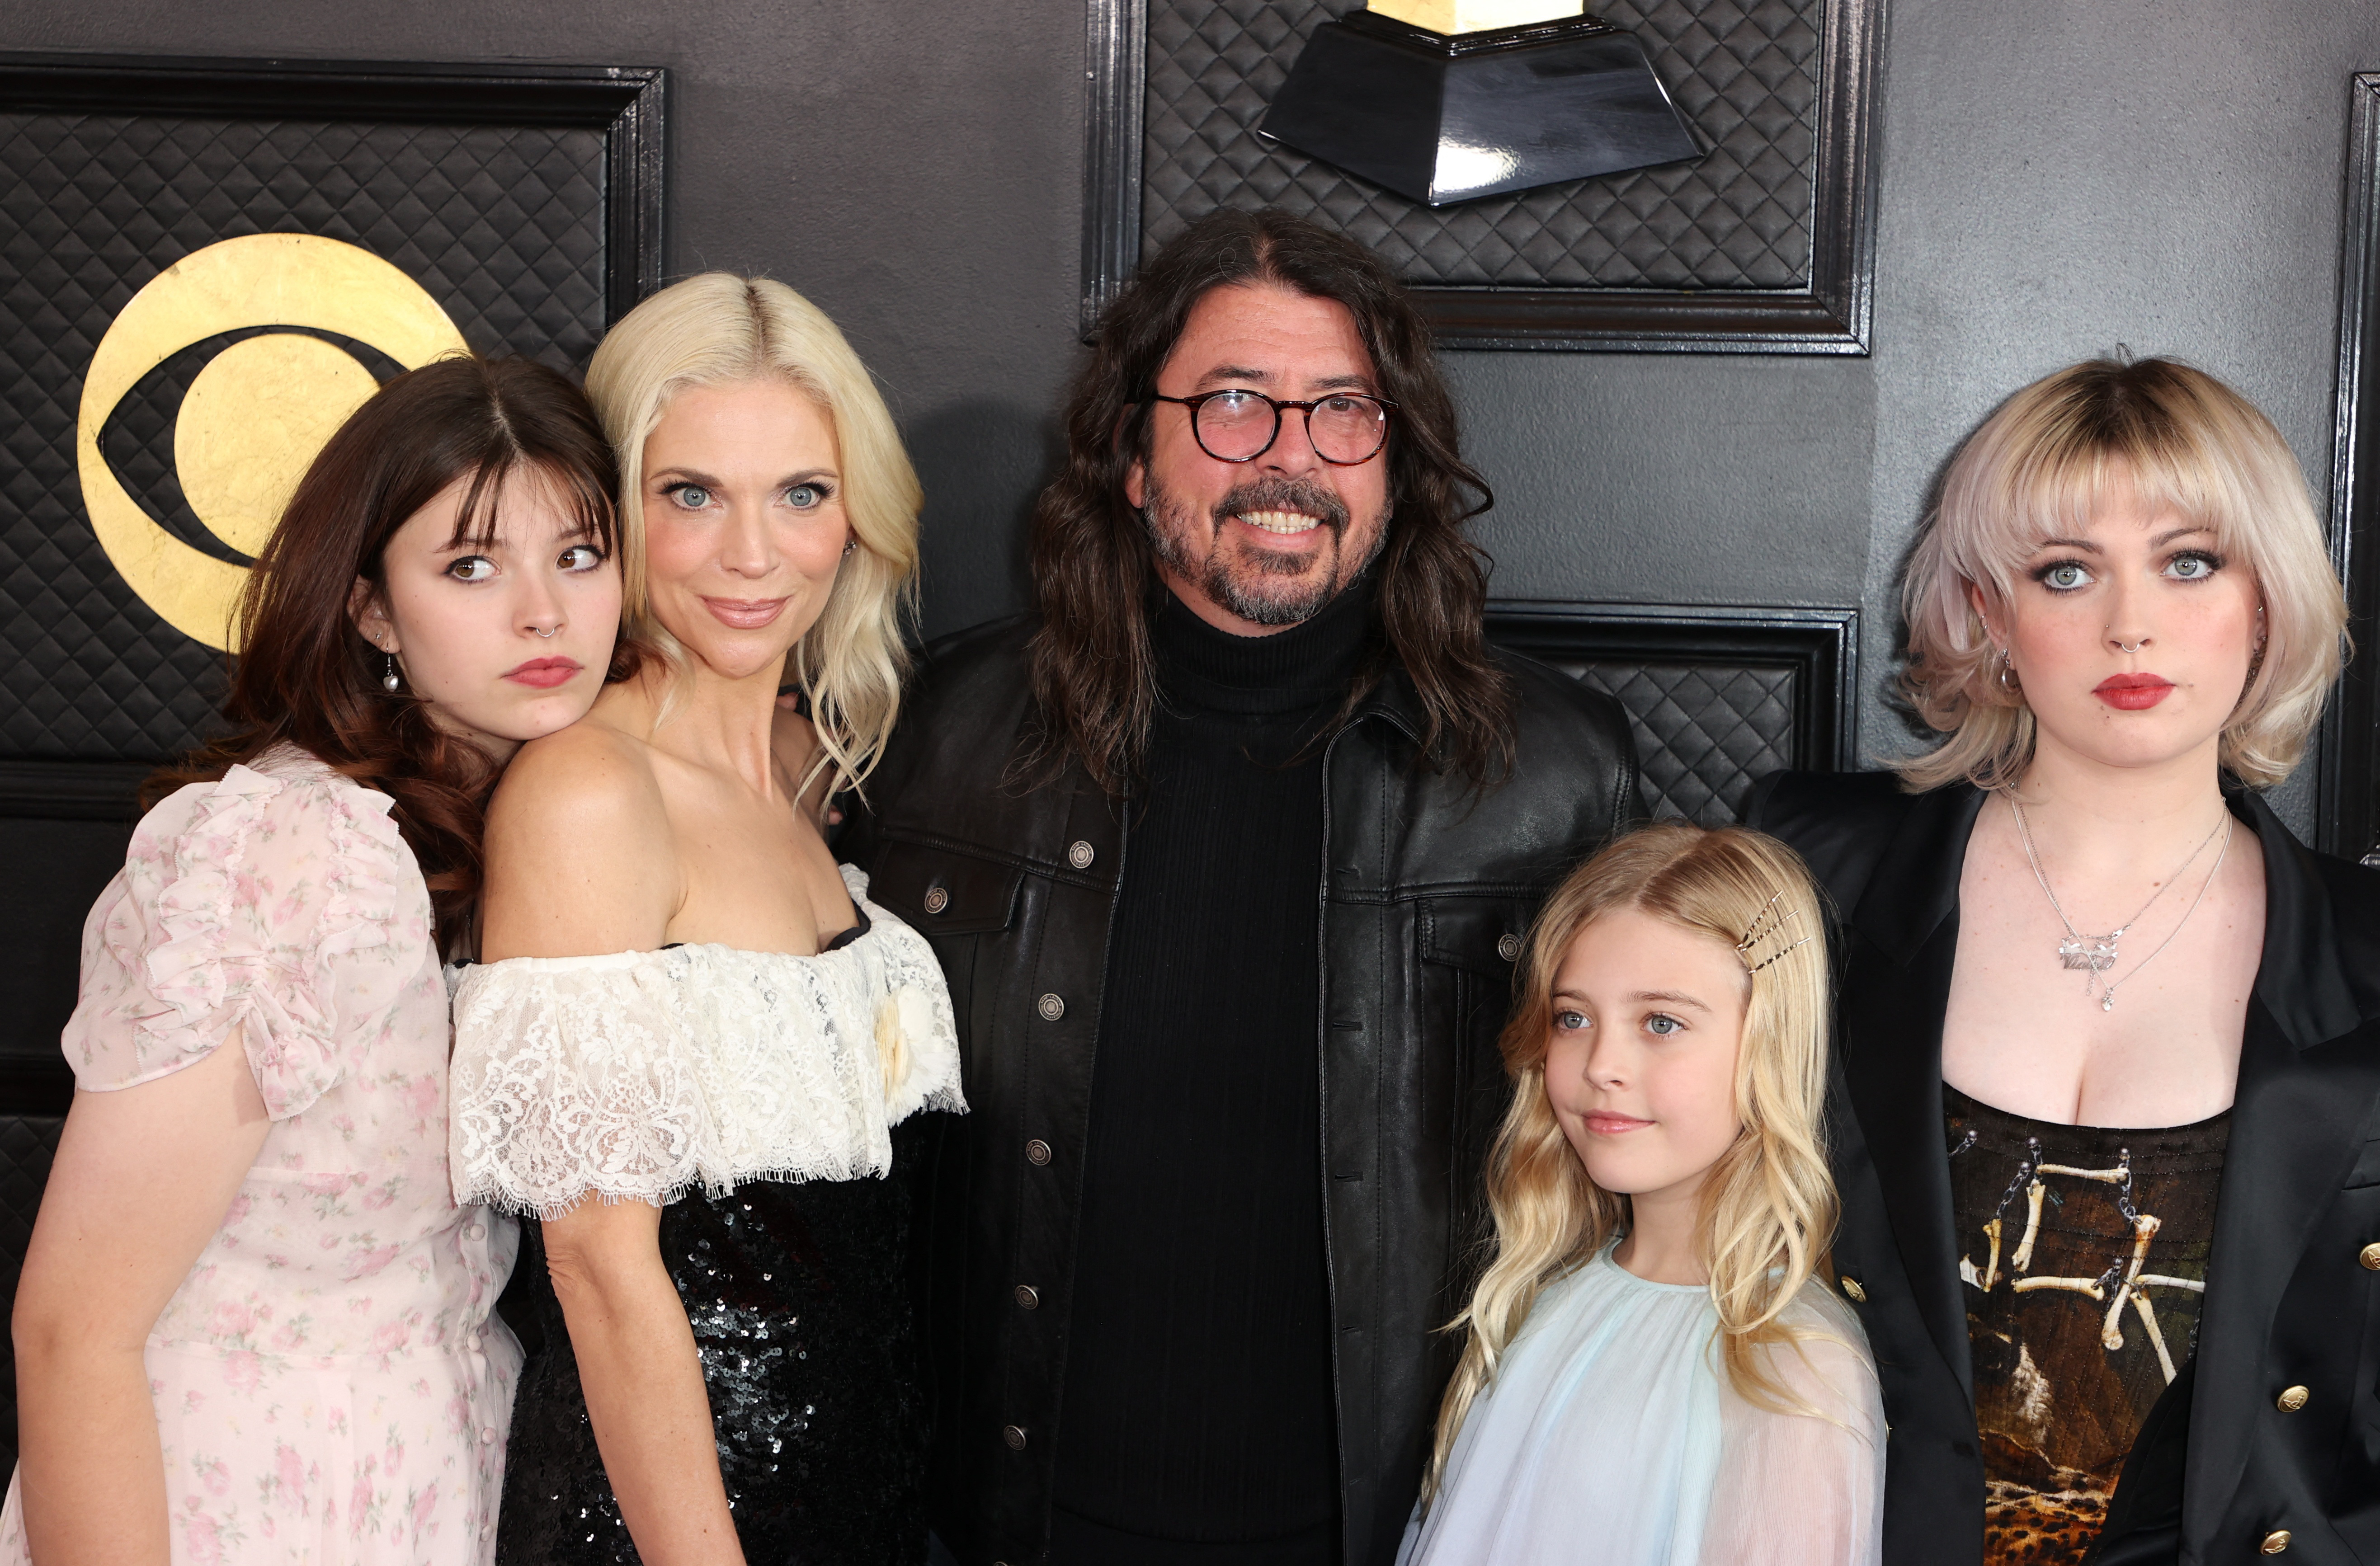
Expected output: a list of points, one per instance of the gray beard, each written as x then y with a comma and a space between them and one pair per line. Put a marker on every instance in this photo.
1264, 589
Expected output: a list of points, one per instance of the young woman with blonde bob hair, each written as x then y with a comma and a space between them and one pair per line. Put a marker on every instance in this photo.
692, 1037
2109, 1034
1652, 1358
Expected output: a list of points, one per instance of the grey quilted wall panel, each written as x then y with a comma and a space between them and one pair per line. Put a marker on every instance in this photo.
1704, 734
1744, 72
502, 225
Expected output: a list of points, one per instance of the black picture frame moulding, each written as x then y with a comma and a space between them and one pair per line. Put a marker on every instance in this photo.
627, 103
1820, 645
2347, 812
1833, 315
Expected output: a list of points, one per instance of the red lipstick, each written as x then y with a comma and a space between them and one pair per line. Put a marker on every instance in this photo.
745, 613
544, 673
2132, 693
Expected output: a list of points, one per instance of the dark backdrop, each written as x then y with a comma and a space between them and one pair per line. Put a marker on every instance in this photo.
2056, 180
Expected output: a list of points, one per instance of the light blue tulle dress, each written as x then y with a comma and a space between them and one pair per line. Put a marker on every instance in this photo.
1610, 1437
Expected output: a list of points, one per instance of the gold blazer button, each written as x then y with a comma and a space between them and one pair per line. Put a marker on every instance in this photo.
2369, 1257
2292, 1399
1851, 1287
2275, 1542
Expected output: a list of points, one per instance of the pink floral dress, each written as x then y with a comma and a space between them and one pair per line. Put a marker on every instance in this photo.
330, 1386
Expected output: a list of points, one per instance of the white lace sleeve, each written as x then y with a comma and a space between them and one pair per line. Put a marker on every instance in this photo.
641, 1075
1803, 1489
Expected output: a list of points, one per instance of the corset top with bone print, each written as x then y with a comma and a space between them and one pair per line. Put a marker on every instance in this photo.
2082, 1259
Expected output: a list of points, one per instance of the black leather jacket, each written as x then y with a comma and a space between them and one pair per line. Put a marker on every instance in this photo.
1422, 899
2225, 1468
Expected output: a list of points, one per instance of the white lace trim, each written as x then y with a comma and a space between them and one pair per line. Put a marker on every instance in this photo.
641, 1075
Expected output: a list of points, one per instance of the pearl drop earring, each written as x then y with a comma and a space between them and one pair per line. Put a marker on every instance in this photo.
389, 681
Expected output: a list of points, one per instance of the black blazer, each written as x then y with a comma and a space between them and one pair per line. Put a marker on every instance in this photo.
2293, 1282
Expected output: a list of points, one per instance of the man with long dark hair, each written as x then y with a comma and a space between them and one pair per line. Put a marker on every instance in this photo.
1249, 814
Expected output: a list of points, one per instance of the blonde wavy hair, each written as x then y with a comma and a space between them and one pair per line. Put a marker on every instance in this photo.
2180, 442
718, 329
1767, 1206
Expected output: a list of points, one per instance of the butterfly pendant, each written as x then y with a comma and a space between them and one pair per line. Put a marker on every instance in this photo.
2098, 956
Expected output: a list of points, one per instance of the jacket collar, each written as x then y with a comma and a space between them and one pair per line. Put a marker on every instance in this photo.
2299, 977
1393, 697
2302, 977
1915, 885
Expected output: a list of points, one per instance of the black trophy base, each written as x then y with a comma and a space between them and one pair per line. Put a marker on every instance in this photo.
1442, 119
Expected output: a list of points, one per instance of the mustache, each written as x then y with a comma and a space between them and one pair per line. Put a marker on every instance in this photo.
1285, 494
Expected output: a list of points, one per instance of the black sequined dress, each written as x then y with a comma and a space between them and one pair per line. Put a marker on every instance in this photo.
800, 1308
764, 1101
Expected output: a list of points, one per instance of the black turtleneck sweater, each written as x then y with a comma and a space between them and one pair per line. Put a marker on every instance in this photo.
1197, 1422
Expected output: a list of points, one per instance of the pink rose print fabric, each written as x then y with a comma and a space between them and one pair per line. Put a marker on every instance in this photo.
330, 1385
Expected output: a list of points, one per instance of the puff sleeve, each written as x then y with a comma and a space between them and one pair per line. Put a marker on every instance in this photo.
272, 900
1805, 1489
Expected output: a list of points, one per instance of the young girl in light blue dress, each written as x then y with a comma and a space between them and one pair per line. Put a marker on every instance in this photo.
1655, 1373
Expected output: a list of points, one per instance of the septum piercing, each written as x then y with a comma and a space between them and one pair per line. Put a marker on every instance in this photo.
2133, 646
546, 634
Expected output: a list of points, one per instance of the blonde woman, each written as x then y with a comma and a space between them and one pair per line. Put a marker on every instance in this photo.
1655, 1373
692, 1037
2109, 1034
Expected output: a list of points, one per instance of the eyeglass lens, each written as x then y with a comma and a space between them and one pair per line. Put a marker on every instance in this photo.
1236, 426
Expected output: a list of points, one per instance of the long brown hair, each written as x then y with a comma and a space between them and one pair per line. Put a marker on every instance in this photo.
1092, 560
305, 675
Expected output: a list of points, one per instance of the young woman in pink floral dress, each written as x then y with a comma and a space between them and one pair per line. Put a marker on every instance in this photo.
254, 1326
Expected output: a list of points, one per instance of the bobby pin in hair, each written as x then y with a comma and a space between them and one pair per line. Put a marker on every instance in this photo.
1764, 928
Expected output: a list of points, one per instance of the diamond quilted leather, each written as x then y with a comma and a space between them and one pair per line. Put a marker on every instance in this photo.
26, 1143
1704, 734
502, 226
1744, 73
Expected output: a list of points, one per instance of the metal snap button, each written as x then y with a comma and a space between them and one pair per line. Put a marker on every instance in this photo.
1036, 1151
1015, 1435
1852, 1290
1508, 948
1080, 853
2275, 1542
2292, 1399
937, 899
1027, 1296
1051, 1007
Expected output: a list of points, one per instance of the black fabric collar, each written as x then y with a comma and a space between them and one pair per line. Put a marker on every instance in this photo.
2300, 976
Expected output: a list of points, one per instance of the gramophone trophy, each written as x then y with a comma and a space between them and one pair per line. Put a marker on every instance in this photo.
1445, 101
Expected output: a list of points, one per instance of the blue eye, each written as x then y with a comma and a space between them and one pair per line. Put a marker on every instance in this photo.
1661, 1025
1568, 1022
471, 568
2063, 576
2193, 567
693, 497
807, 497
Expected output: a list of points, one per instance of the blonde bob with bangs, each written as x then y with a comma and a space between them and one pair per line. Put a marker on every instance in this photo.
1767, 1205
2180, 442
718, 329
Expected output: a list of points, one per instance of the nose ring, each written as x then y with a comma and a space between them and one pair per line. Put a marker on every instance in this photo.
2133, 646
546, 634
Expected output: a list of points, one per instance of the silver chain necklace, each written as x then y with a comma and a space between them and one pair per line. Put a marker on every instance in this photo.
2096, 956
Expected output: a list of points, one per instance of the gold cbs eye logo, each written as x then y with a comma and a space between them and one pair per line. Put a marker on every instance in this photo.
255, 416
